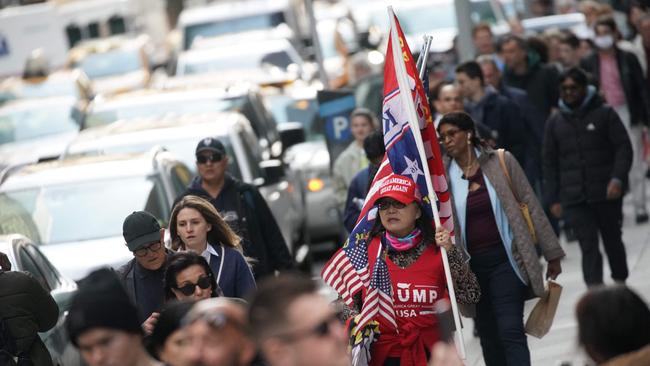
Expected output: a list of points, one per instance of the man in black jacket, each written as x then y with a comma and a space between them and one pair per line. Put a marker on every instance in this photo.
242, 206
621, 80
143, 275
26, 308
587, 158
532, 136
500, 117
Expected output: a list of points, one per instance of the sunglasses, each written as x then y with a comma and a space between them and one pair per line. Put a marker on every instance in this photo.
321, 330
214, 158
203, 283
143, 251
386, 204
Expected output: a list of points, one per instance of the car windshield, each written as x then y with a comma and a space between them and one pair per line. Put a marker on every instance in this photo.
419, 19
112, 112
233, 25
81, 211
117, 62
251, 60
33, 121
287, 109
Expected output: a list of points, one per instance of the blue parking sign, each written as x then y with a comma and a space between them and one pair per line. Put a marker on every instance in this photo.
335, 108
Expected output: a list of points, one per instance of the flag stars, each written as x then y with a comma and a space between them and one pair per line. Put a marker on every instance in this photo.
412, 169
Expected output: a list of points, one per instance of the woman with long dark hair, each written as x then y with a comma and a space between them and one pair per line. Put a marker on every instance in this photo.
491, 227
196, 226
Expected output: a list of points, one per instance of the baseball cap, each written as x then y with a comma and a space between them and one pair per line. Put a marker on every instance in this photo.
140, 228
210, 144
399, 188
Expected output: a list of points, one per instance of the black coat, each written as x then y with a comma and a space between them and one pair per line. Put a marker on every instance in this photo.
583, 151
533, 131
540, 82
633, 80
247, 213
26, 309
503, 115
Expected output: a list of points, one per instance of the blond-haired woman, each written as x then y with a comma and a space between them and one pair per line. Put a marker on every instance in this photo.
195, 225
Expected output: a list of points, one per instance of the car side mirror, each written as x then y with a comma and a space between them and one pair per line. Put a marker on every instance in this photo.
273, 170
291, 133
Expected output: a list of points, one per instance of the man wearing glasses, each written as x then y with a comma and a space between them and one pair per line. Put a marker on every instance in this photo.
294, 325
143, 276
242, 207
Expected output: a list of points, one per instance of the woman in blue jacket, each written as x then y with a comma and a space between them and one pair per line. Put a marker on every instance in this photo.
195, 225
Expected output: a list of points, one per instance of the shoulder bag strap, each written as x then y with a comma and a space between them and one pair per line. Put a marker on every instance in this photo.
502, 162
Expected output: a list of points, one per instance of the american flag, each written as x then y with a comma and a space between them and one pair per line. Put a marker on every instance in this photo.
378, 298
347, 271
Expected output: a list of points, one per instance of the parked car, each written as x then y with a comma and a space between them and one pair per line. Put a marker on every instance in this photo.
310, 160
231, 17
179, 100
74, 208
278, 58
73, 83
37, 129
180, 134
114, 65
25, 256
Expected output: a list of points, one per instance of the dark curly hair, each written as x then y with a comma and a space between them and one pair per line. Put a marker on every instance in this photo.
464, 122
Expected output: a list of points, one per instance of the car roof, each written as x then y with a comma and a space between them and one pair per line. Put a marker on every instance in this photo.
170, 93
27, 103
128, 131
229, 10
240, 48
80, 169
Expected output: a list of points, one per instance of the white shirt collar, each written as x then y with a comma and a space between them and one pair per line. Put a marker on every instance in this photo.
209, 250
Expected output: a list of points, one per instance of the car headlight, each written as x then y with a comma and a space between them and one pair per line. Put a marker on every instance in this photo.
315, 184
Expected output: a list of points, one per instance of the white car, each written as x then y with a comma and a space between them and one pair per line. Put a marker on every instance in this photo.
74, 208
190, 99
25, 256
115, 64
36, 129
179, 134
274, 57
232, 17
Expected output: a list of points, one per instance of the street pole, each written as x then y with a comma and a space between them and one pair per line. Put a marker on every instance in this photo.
309, 7
464, 21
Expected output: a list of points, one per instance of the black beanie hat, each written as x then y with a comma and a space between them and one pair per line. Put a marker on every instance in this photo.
101, 302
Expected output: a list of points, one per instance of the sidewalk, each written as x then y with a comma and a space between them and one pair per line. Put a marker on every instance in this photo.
560, 344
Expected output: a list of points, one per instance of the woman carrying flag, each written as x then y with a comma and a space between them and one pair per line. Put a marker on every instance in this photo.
411, 265
492, 228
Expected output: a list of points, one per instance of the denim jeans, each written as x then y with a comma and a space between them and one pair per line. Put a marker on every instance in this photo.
500, 312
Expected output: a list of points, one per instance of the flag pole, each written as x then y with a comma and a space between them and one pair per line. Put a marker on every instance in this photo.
402, 81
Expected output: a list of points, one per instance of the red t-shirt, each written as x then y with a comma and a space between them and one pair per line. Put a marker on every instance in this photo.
415, 290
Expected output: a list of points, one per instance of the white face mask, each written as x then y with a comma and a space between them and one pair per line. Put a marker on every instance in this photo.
604, 42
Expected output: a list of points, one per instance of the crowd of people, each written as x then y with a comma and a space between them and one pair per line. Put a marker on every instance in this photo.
556, 124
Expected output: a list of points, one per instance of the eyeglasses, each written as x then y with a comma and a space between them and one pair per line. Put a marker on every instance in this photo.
214, 158
442, 137
321, 330
143, 251
569, 88
203, 283
384, 205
